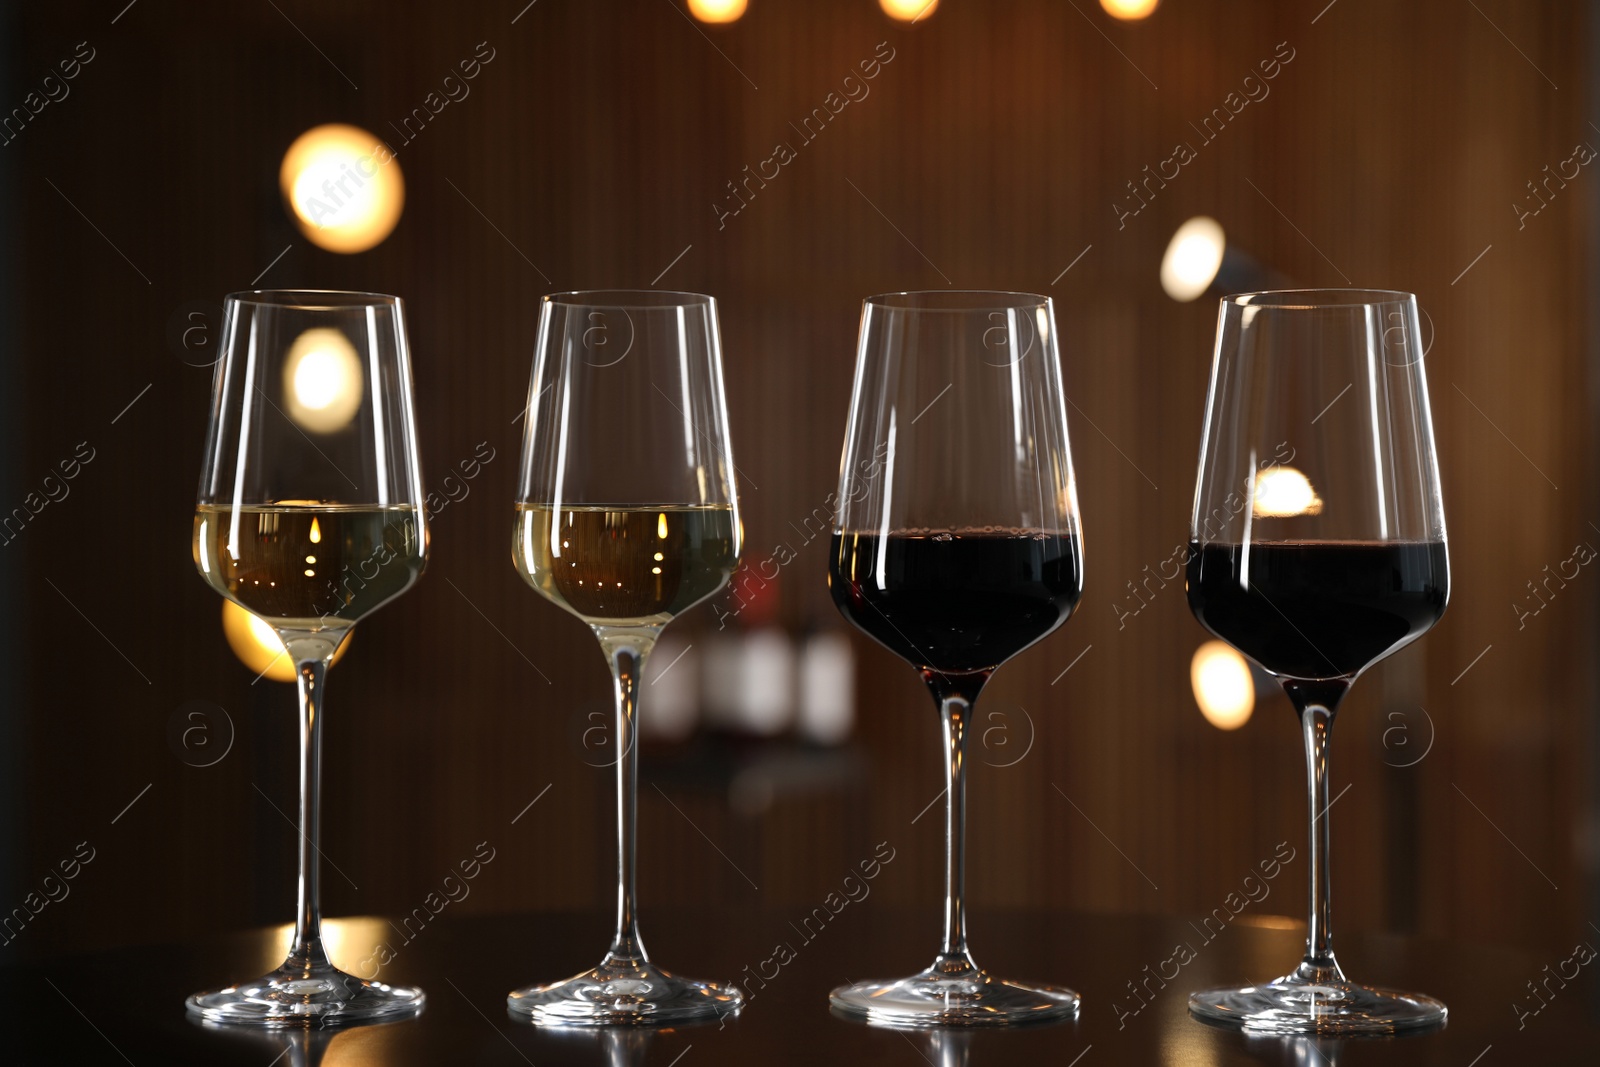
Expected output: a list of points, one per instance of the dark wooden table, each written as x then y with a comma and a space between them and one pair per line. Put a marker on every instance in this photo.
127, 1005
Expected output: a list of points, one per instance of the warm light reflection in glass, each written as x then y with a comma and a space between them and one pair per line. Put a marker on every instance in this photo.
257, 645
1270, 922
322, 380
717, 10
1192, 259
1265, 953
909, 10
1129, 10
1222, 685
1283, 492
344, 187
348, 942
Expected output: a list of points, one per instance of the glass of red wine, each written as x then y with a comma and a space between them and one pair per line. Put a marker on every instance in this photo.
956, 546
1317, 548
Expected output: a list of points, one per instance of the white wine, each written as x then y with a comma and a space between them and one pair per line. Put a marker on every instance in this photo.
309, 566
625, 566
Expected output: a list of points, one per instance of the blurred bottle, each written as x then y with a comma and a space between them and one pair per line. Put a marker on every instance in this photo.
826, 708
669, 705
750, 664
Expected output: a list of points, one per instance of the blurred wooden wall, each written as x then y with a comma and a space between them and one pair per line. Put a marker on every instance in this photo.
990, 153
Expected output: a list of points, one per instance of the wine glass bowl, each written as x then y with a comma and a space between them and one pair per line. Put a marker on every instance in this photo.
1318, 548
956, 546
309, 515
626, 516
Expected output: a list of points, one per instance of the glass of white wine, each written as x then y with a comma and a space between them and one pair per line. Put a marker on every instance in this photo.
310, 515
627, 516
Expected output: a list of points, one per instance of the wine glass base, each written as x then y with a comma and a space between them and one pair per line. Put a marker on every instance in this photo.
969, 998
1294, 1006
323, 997
626, 993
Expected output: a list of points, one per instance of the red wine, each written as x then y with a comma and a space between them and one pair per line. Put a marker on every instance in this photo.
1318, 609
956, 602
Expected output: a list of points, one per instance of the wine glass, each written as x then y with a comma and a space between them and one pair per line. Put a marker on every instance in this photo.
310, 515
627, 516
1317, 548
956, 546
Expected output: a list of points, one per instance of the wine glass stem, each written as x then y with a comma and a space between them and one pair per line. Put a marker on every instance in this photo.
1316, 722
626, 650
307, 953
955, 708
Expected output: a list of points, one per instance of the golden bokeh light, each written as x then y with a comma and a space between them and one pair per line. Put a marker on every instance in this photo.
343, 186
322, 380
1282, 493
1129, 10
257, 644
717, 10
1193, 257
1223, 688
909, 10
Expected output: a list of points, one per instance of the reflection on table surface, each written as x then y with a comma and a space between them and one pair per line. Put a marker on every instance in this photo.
1131, 1014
